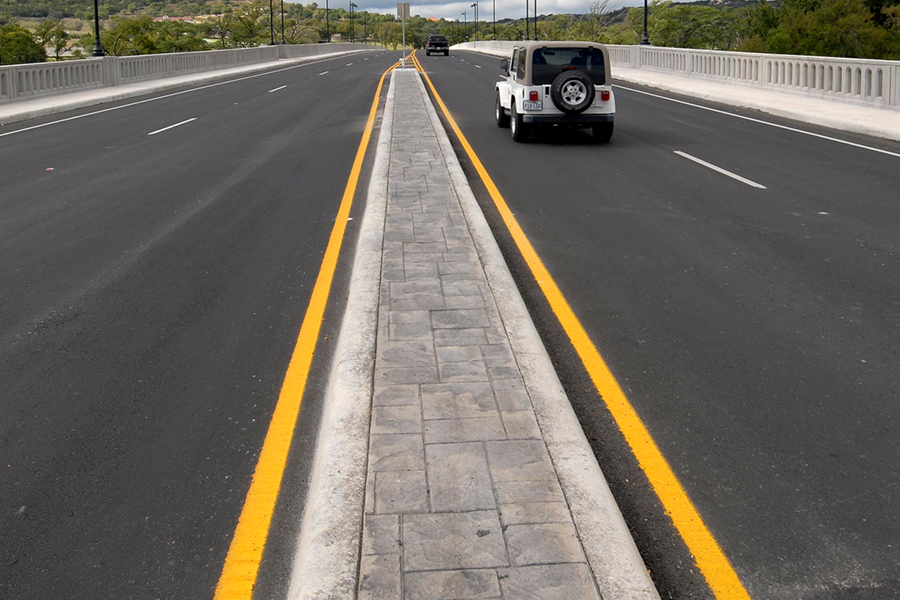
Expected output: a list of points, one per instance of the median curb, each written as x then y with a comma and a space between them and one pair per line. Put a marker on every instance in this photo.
330, 551
23, 110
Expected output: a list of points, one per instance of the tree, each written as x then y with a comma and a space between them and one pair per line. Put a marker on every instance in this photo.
220, 28
842, 28
18, 46
250, 24
52, 34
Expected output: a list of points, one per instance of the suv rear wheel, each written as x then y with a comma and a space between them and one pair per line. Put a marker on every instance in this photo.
500, 114
572, 92
518, 128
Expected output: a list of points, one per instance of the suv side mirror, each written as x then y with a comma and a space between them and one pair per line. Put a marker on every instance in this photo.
504, 65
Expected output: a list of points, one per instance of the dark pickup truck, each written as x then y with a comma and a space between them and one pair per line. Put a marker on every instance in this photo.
437, 43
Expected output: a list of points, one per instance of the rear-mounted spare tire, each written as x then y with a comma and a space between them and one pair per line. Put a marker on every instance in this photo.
572, 92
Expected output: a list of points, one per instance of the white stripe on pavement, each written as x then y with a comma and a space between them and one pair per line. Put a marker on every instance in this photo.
278, 88
324, 72
719, 170
171, 126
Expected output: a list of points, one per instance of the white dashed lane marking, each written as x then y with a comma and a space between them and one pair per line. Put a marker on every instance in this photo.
172, 126
720, 170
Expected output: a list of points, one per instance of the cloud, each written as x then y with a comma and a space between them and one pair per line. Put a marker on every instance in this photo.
506, 9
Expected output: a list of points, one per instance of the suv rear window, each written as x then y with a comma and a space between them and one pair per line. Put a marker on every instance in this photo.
547, 63
437, 38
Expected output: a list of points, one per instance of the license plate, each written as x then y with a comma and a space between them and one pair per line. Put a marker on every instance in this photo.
531, 105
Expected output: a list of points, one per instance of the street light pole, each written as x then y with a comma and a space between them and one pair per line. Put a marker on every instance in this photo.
465, 28
351, 22
527, 18
475, 6
98, 48
283, 41
271, 24
494, 7
535, 21
327, 27
645, 40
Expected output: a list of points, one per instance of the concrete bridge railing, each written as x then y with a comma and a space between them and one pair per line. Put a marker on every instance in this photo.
852, 80
21, 82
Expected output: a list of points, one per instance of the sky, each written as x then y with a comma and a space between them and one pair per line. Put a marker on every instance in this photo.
513, 9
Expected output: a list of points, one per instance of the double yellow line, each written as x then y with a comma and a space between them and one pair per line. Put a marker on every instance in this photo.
712, 562
242, 562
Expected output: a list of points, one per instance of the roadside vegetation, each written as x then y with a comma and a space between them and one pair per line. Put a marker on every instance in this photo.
39, 30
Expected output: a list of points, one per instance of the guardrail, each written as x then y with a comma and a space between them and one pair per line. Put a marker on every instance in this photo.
851, 80
23, 82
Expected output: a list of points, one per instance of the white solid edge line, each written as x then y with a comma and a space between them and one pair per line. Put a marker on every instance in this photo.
760, 121
188, 91
172, 126
326, 559
278, 88
720, 170
612, 555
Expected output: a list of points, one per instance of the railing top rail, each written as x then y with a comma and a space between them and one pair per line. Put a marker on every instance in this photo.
194, 53
52, 65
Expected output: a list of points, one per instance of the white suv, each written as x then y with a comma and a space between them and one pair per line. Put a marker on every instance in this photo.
557, 83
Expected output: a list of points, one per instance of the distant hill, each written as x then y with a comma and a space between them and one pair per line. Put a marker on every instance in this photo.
80, 9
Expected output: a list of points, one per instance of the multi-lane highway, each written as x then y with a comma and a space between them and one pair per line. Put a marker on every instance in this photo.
157, 261
753, 322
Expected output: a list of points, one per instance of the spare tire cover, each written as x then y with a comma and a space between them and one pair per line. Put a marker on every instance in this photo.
572, 92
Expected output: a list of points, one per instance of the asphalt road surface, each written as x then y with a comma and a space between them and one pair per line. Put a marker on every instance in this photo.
756, 331
153, 280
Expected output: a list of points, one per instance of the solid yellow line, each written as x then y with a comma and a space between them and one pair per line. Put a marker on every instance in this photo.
712, 562
242, 562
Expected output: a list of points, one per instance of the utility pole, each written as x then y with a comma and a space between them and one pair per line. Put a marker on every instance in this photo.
403, 12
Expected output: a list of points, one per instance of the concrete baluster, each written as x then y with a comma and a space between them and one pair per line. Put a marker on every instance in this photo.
8, 87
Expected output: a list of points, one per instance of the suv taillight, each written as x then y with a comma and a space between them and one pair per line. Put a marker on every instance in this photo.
604, 95
532, 95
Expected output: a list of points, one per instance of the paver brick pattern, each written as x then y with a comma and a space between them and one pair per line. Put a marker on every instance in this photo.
462, 500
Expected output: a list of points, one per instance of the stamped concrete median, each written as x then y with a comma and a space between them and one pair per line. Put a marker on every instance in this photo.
479, 482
